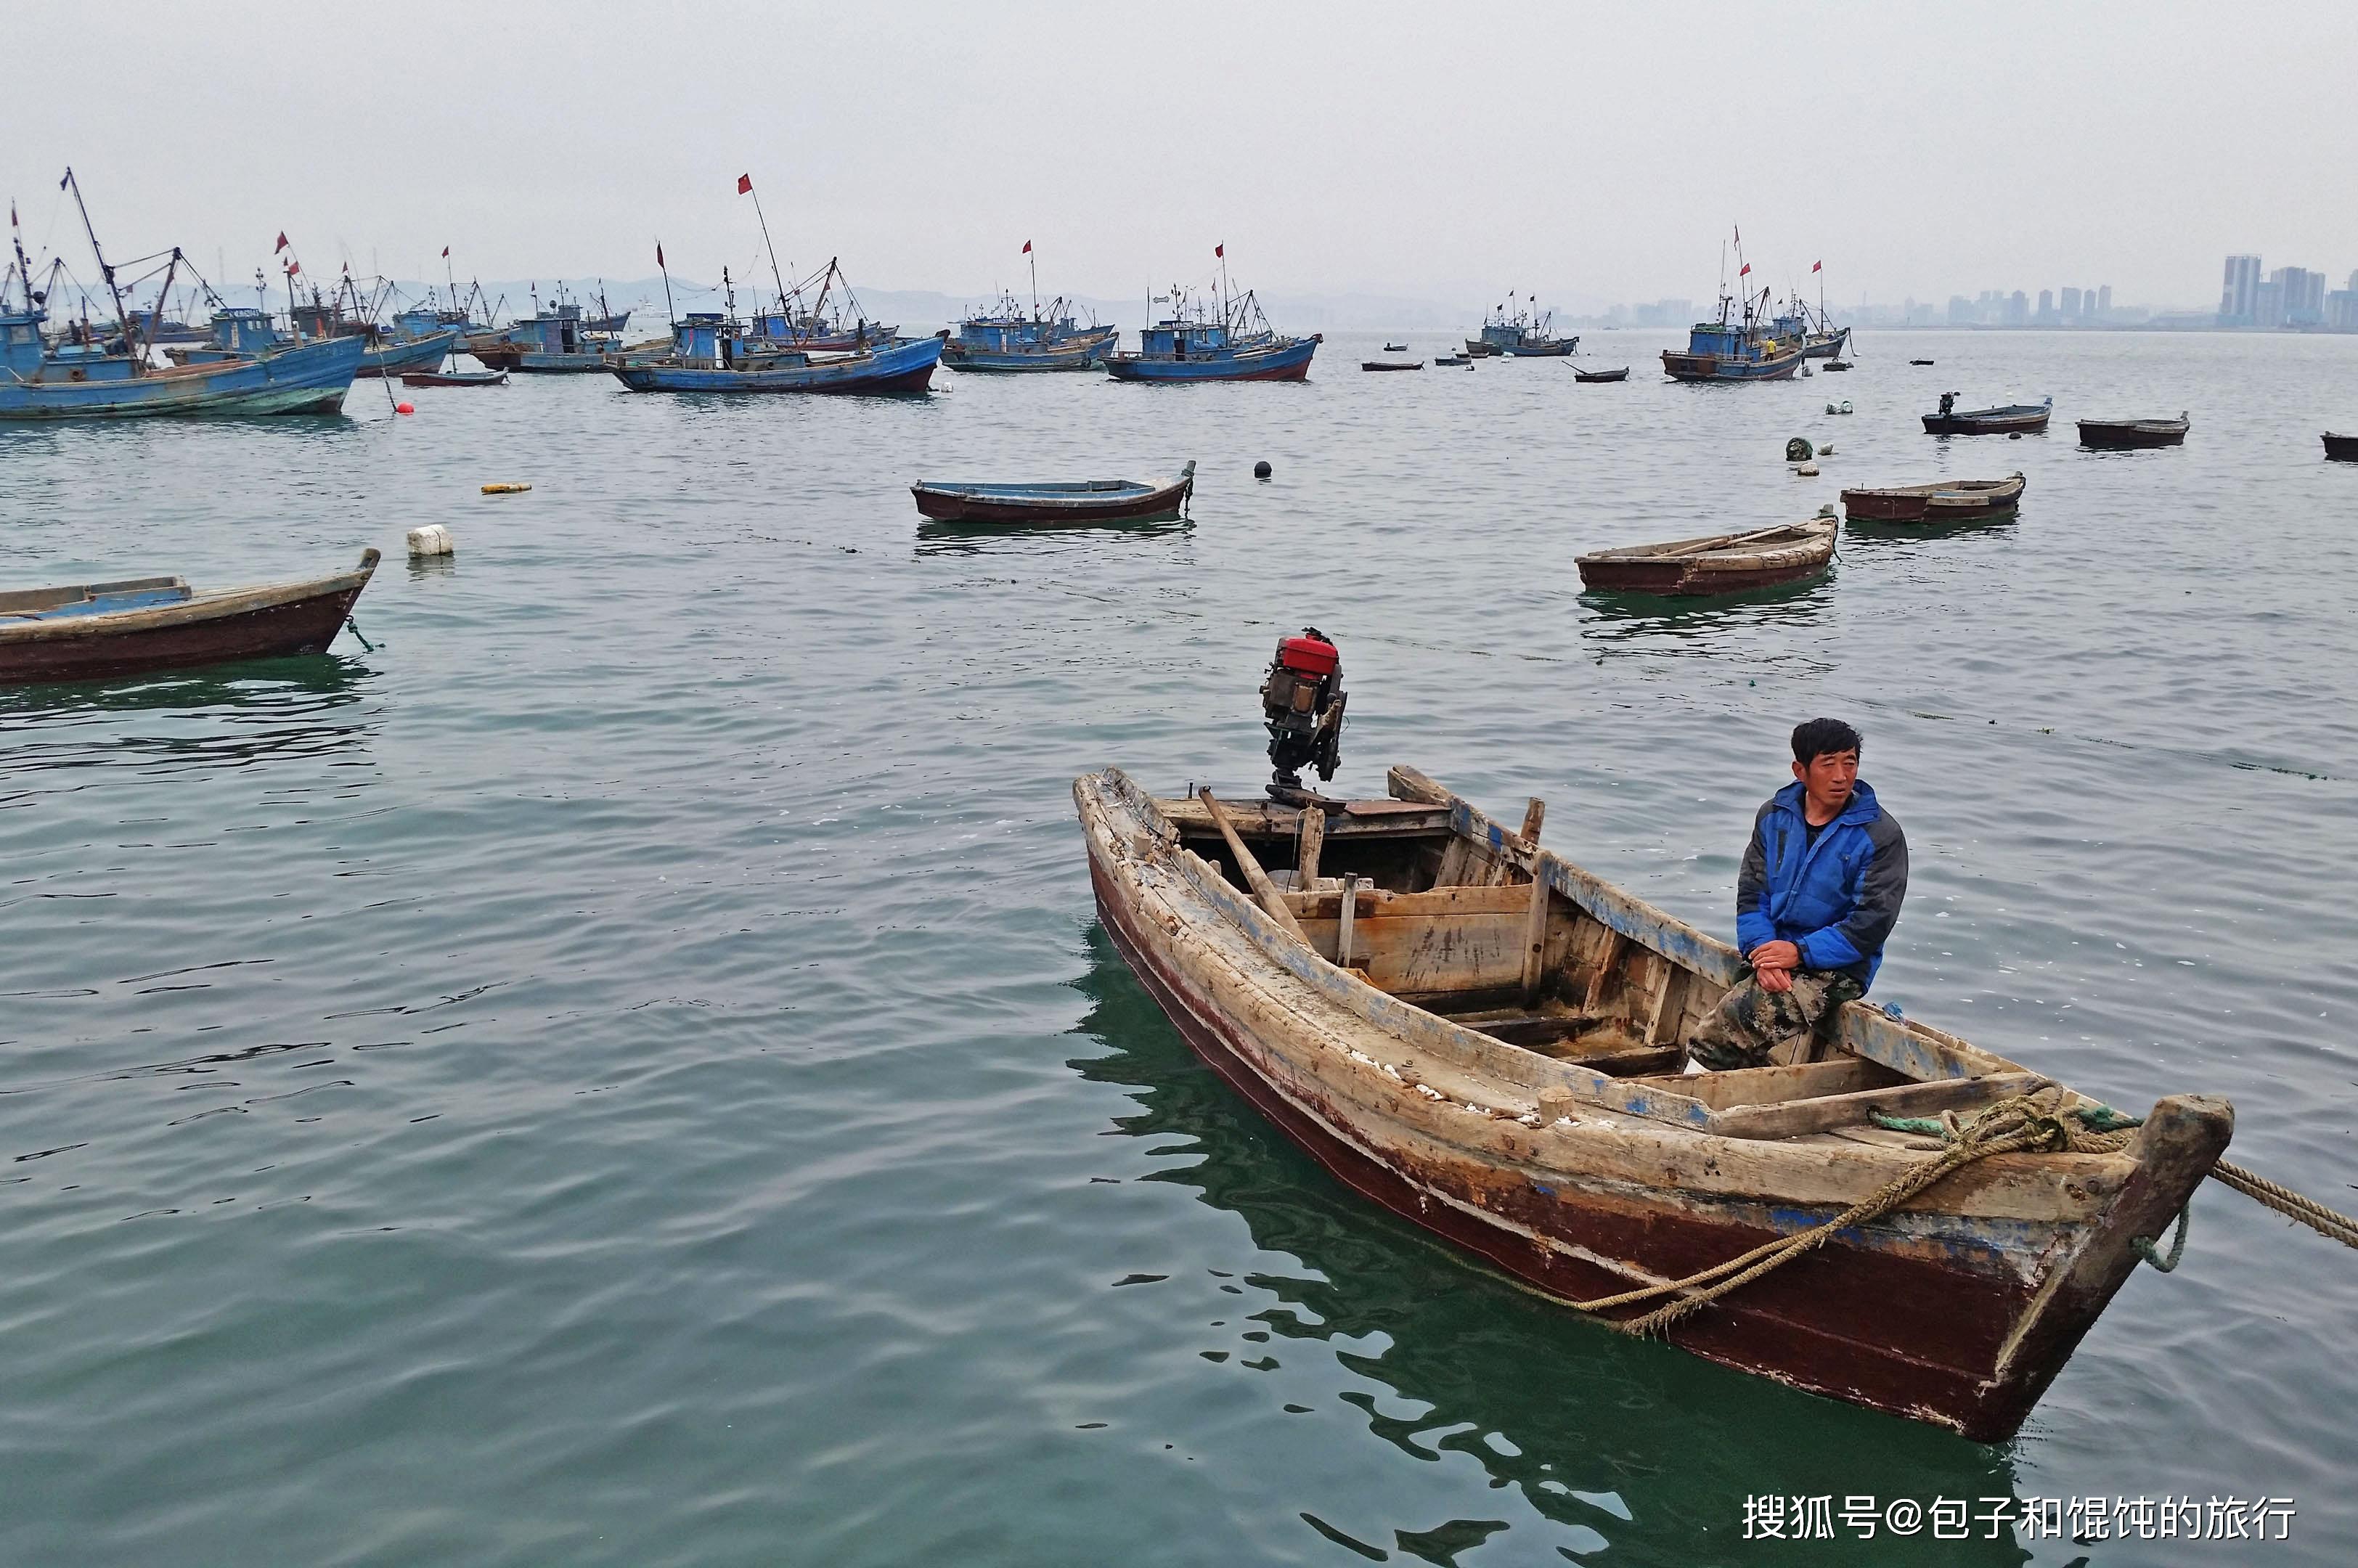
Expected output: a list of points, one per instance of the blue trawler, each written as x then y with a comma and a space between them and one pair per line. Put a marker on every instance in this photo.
712, 352
811, 315
556, 339
89, 381
1228, 340
1742, 345
1005, 338
1523, 335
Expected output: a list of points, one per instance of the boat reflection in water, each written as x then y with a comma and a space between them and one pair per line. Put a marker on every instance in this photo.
1584, 1437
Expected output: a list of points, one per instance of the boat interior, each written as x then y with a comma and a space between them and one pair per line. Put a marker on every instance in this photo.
1443, 912
92, 599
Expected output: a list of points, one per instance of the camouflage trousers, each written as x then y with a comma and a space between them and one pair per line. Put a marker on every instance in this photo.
1750, 1022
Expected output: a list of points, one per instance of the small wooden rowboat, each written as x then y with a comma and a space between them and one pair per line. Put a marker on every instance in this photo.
1487, 1039
454, 378
2116, 434
1723, 563
1453, 359
1621, 374
1395, 348
2014, 418
141, 624
1086, 500
1391, 364
1949, 501
2340, 449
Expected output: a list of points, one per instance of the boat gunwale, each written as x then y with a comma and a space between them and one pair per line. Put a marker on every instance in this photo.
201, 605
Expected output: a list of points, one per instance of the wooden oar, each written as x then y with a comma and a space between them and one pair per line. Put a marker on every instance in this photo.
1271, 899
1727, 541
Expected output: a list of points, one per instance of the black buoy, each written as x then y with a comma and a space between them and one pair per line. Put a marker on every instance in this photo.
1260, 468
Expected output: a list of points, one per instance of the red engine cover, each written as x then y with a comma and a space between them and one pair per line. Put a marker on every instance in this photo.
1308, 657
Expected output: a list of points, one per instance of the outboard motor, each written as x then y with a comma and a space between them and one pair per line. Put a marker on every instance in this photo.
1301, 701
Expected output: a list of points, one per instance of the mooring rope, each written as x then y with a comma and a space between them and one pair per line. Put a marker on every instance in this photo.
2027, 1123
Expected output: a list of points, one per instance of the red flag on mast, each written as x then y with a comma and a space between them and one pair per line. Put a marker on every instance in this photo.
1221, 249
293, 267
1816, 265
744, 185
281, 245
1747, 268
659, 260
1027, 247
446, 253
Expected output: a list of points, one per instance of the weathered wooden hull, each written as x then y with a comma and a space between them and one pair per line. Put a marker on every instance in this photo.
1987, 424
904, 367
250, 623
1621, 374
418, 353
1916, 502
1824, 345
1698, 573
309, 379
2340, 449
2131, 435
1080, 353
1683, 366
454, 378
951, 506
1288, 361
1959, 1316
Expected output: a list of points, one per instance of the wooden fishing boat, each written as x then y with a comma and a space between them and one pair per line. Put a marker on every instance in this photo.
2014, 418
1226, 338
1395, 348
1391, 364
1621, 374
1920, 361
2340, 449
711, 353
2118, 434
1945, 501
1837, 364
1723, 563
1487, 1039
1523, 335
141, 624
1453, 359
1086, 501
454, 378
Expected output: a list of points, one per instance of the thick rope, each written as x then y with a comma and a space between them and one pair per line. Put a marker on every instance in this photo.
2251, 1184
2029, 1123
2287, 1201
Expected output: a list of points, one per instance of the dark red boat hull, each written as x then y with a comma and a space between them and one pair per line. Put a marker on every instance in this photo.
1906, 1335
297, 626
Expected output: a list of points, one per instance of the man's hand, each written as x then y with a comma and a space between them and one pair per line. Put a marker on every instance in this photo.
1773, 964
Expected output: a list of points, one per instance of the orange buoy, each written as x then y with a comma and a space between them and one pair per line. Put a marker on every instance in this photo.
405, 409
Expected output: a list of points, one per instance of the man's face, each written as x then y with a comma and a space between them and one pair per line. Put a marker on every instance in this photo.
1827, 778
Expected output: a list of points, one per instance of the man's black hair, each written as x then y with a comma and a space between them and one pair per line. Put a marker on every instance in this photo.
1820, 736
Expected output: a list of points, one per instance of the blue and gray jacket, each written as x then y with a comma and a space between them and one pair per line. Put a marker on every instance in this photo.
1836, 900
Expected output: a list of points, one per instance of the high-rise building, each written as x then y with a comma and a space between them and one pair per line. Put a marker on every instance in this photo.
2238, 308
1962, 312
2103, 301
2017, 308
2300, 297
2268, 305
2070, 304
2341, 310
2047, 303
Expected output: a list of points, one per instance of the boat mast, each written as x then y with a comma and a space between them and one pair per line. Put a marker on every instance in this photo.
745, 183
1035, 278
106, 271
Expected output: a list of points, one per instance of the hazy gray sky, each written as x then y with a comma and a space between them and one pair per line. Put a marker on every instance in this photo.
1589, 153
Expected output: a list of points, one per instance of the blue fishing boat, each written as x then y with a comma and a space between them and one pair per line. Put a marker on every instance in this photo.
712, 352
1226, 339
1520, 335
1005, 337
819, 314
1740, 345
1812, 327
86, 382
554, 342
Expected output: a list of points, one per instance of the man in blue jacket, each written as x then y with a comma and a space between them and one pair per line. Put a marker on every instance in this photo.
1817, 898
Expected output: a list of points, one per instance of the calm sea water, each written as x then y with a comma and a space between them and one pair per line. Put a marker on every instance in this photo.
625, 1071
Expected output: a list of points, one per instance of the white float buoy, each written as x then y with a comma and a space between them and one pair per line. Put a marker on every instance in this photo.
1807, 470
434, 539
